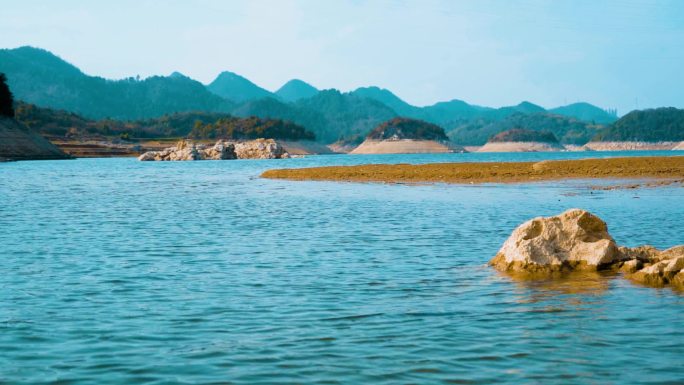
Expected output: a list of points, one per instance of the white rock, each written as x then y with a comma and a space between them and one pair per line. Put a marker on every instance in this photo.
575, 238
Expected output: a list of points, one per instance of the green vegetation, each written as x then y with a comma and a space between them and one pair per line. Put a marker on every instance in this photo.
522, 135
206, 125
586, 112
6, 99
406, 128
332, 115
41, 78
567, 130
250, 128
653, 125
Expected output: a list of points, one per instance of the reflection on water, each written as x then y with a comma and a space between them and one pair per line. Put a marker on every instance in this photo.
581, 282
116, 272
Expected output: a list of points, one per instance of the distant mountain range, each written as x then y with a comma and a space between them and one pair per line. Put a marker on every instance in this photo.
39, 77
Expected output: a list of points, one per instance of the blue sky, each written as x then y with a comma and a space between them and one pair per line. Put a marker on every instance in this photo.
616, 54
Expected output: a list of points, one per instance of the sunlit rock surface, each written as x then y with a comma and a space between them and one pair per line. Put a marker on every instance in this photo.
222, 150
578, 240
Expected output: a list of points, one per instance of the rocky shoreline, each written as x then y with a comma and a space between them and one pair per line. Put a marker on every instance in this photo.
405, 146
222, 150
576, 240
633, 146
521, 147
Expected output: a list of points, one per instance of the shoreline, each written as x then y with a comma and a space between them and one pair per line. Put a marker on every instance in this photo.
660, 167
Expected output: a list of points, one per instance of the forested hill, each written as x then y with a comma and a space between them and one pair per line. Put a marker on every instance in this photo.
39, 77
567, 130
202, 125
653, 125
405, 128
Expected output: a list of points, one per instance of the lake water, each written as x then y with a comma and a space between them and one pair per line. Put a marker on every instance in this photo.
114, 271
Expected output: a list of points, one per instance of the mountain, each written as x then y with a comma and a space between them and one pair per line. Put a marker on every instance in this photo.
586, 112
445, 113
236, 88
652, 125
343, 114
296, 89
567, 130
524, 107
37, 76
329, 114
389, 99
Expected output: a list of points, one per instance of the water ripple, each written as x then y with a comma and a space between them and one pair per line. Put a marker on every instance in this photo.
117, 272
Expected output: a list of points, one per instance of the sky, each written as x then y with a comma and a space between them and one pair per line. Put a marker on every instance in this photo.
622, 54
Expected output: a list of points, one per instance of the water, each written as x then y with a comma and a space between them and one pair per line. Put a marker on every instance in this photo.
115, 271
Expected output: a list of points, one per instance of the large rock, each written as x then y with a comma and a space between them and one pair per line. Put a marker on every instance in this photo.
579, 240
222, 150
260, 149
574, 239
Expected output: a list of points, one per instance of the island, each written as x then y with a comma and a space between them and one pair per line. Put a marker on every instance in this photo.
406, 136
522, 140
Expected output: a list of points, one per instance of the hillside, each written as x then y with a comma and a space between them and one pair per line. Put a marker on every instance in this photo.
236, 88
18, 142
567, 130
206, 125
653, 125
342, 115
295, 90
405, 128
522, 135
586, 112
39, 77
389, 99
250, 128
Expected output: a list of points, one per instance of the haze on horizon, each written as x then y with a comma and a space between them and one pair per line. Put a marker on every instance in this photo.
622, 54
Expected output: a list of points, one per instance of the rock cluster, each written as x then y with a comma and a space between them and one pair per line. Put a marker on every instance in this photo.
222, 150
579, 240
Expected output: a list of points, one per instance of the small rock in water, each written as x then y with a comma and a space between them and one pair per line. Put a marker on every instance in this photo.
578, 240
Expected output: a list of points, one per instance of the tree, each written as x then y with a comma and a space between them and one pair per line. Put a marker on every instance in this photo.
6, 99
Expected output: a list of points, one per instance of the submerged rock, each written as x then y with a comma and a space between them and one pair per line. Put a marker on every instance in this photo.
578, 240
222, 150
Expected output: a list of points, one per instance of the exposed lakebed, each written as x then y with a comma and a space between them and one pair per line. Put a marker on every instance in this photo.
119, 271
